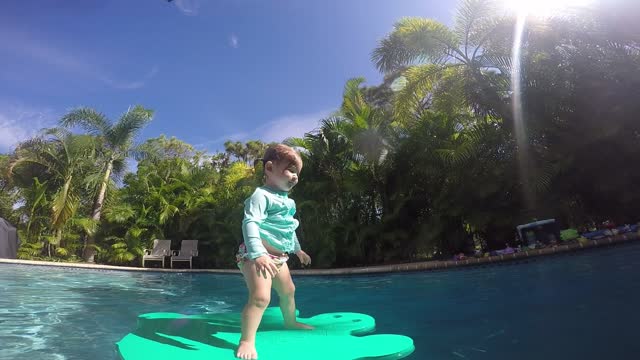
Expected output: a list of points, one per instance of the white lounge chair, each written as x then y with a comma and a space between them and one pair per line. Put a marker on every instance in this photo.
160, 250
188, 249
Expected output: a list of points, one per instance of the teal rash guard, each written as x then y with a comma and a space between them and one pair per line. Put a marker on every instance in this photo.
268, 215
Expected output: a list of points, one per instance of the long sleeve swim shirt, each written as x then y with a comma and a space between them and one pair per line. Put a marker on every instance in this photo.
268, 215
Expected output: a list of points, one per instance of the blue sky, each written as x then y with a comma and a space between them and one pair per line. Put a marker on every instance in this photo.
211, 69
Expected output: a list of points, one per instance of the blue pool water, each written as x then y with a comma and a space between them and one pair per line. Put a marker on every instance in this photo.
578, 306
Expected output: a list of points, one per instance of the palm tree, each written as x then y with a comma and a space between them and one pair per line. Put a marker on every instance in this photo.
356, 135
7, 190
464, 70
237, 149
35, 205
346, 158
65, 159
117, 145
255, 150
448, 69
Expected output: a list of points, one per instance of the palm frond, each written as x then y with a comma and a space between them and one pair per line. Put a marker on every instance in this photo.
119, 168
39, 193
392, 53
58, 133
493, 34
545, 173
471, 140
30, 250
500, 62
40, 152
432, 39
167, 212
450, 93
122, 133
421, 80
469, 14
414, 40
88, 119
64, 206
135, 232
119, 245
119, 214
297, 142
91, 181
88, 225
81, 150
142, 152
352, 87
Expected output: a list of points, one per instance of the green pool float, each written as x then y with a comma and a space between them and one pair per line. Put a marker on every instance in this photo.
337, 336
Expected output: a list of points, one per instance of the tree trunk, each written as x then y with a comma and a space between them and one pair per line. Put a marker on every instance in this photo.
89, 249
58, 240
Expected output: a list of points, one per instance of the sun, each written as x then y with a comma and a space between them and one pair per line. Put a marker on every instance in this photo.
544, 7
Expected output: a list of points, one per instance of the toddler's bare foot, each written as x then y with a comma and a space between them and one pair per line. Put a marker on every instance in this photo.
298, 325
246, 350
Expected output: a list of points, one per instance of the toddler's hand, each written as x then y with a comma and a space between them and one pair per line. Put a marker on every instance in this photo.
305, 259
265, 265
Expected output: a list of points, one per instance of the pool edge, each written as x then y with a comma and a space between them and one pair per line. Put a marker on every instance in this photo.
377, 269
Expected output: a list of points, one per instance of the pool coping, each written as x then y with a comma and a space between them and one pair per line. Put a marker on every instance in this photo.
377, 269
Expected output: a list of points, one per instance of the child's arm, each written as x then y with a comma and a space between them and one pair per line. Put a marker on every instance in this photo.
255, 211
305, 259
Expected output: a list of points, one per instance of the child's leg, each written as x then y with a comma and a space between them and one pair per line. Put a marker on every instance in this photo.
286, 291
259, 298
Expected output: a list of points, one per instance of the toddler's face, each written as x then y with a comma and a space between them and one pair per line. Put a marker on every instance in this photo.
283, 175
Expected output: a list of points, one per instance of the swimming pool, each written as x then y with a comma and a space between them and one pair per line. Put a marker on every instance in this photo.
578, 306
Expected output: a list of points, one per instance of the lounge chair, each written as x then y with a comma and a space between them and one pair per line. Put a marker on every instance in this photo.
188, 249
161, 249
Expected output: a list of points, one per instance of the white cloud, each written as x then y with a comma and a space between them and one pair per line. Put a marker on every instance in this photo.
233, 41
217, 144
19, 123
290, 126
126, 85
70, 62
188, 7
276, 130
